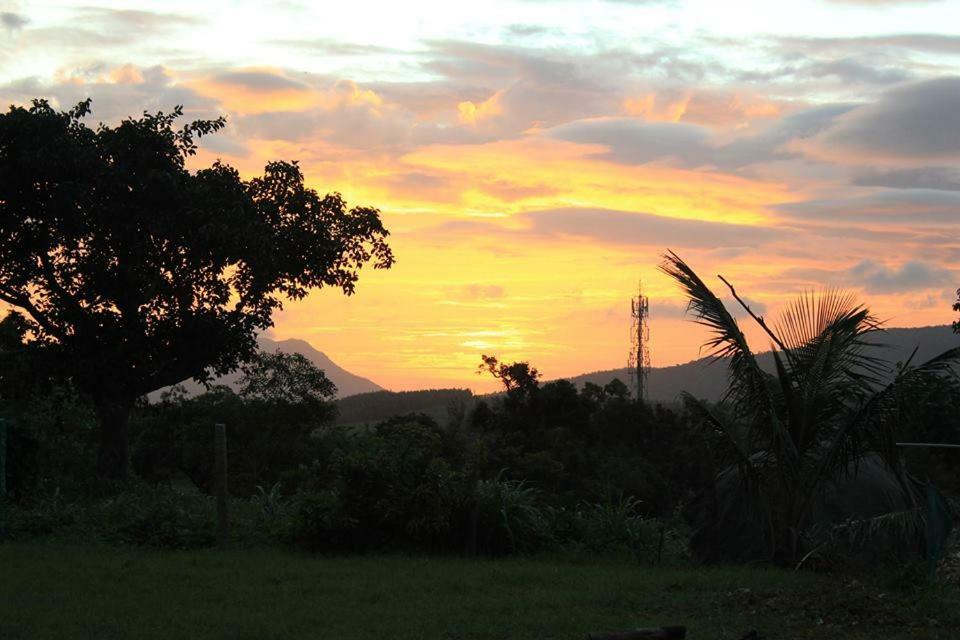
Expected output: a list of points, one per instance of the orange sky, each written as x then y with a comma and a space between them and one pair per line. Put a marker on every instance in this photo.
532, 173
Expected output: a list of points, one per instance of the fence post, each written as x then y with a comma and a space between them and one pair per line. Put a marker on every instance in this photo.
3, 479
220, 481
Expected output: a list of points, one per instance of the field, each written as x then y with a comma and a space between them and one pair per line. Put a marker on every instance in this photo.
52, 590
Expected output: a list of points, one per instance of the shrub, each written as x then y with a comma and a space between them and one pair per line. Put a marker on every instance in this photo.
155, 517
386, 488
50, 513
509, 517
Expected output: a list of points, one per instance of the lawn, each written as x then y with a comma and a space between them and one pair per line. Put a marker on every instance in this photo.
52, 590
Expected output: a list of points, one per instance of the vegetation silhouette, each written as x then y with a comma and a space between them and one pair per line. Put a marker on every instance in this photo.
792, 434
956, 307
133, 273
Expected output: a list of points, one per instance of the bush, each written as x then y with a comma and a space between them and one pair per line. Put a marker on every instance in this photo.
387, 488
509, 517
155, 517
50, 513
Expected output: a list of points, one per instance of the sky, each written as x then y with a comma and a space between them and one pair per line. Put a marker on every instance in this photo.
533, 159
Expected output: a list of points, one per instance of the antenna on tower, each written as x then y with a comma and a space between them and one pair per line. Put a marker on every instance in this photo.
639, 360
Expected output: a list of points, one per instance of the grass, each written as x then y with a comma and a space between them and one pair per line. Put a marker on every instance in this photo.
50, 590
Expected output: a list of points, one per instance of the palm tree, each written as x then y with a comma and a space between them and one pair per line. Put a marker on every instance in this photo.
829, 402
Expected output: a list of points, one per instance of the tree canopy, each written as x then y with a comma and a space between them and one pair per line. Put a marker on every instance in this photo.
135, 273
956, 307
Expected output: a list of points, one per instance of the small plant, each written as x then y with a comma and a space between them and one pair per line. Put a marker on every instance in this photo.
510, 516
269, 502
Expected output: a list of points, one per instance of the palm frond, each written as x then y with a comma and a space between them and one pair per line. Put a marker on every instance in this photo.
907, 528
751, 388
827, 332
724, 438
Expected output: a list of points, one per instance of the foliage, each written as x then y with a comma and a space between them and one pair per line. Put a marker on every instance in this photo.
791, 433
140, 515
50, 512
583, 445
390, 486
51, 436
157, 517
376, 405
285, 379
956, 307
134, 273
266, 441
510, 517
517, 377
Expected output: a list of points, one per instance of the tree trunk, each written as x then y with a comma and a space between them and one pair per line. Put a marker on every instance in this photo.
113, 454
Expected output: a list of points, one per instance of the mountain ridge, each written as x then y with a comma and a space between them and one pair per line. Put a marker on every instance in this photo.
348, 383
708, 380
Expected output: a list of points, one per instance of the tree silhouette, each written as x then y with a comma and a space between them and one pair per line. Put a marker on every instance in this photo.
828, 404
135, 273
517, 377
956, 307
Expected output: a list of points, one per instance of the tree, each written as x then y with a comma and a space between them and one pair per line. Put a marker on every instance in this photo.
830, 402
956, 307
135, 273
517, 377
285, 378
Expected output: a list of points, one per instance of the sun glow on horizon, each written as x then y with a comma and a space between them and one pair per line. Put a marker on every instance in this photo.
533, 161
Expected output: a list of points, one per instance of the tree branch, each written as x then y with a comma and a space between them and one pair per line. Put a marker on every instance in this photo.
24, 303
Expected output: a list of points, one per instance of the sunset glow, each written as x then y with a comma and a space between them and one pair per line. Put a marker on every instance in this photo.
534, 159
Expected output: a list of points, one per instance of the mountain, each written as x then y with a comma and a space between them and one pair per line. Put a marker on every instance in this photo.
348, 384
709, 380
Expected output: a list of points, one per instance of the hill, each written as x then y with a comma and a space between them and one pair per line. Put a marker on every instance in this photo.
348, 384
709, 381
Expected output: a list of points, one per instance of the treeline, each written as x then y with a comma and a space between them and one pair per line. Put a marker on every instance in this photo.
537, 466
377, 405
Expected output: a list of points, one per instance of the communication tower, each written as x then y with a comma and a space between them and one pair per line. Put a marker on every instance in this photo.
639, 360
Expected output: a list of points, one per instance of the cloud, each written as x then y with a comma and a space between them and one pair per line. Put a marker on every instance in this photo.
883, 3
920, 42
613, 227
98, 28
857, 70
139, 20
265, 81
633, 141
117, 92
874, 277
938, 178
888, 207
13, 21
526, 30
914, 122
332, 47
474, 292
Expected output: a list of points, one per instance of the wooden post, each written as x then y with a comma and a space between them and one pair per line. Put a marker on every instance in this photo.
3, 459
220, 481
3, 479
651, 633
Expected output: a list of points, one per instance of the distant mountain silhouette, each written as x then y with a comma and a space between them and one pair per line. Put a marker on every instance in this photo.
709, 381
348, 384
701, 378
